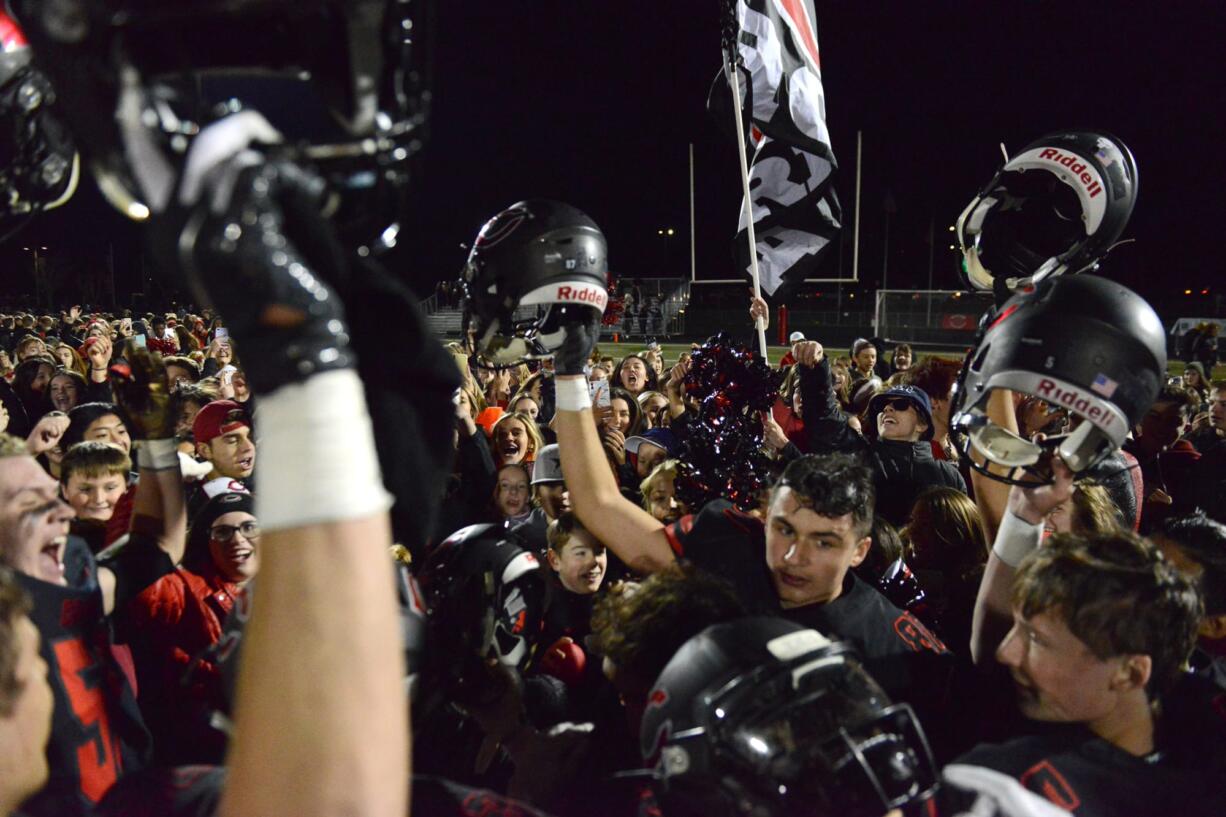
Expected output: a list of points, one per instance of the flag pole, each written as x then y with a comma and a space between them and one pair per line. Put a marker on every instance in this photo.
734, 81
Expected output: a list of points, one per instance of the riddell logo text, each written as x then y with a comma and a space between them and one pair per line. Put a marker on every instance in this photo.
1073, 399
1077, 168
588, 295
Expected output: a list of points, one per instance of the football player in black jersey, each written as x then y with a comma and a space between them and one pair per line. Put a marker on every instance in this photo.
796, 564
1095, 631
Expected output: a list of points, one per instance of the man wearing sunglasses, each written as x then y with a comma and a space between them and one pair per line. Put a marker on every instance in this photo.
899, 453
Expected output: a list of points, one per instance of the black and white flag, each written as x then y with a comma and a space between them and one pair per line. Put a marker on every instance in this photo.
795, 210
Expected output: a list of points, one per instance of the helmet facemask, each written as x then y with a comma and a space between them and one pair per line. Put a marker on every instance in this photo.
1094, 428
39, 165
1056, 208
1002, 455
810, 733
504, 341
485, 599
825, 733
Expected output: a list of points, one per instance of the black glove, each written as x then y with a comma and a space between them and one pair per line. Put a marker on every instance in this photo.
582, 327
255, 247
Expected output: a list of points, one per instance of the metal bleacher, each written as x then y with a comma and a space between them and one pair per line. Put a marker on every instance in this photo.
444, 322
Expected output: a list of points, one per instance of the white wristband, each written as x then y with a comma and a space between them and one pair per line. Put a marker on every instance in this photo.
317, 460
571, 394
1016, 539
158, 455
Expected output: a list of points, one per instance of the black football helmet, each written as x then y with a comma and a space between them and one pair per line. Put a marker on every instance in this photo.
1057, 207
1085, 344
537, 254
763, 717
484, 597
143, 77
39, 166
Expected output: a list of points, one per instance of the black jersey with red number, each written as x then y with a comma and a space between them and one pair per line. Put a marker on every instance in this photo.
97, 733
1089, 777
898, 650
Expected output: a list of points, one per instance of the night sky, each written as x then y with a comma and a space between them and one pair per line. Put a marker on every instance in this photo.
595, 102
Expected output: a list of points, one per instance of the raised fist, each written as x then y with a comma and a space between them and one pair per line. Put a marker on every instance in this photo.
140, 388
808, 353
46, 434
253, 243
582, 334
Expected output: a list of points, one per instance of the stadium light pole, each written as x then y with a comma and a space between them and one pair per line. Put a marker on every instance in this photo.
693, 249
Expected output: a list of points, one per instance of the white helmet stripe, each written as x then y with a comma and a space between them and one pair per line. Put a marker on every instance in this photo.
1074, 171
578, 291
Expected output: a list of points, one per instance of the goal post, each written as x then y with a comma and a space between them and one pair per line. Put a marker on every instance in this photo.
930, 317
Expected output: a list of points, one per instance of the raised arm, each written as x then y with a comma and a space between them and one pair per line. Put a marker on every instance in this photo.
629, 531
1020, 532
992, 496
826, 425
159, 512
674, 389
321, 716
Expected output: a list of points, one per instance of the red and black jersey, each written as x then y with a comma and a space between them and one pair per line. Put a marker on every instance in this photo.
898, 650
730, 544
97, 733
1090, 777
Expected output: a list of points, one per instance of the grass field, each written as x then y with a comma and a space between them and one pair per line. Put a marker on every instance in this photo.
775, 353
672, 350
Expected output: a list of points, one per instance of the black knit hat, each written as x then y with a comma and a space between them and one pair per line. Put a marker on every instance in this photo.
218, 506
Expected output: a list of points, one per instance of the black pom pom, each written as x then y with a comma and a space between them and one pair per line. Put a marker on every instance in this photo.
723, 453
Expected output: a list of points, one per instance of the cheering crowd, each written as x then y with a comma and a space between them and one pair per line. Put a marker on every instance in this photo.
518, 575
128, 464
